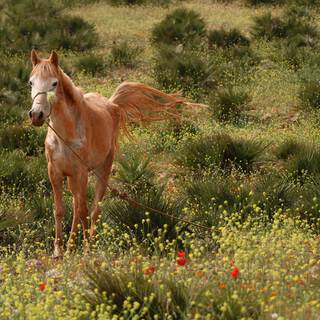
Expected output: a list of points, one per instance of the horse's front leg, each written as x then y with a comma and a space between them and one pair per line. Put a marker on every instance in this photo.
56, 179
78, 187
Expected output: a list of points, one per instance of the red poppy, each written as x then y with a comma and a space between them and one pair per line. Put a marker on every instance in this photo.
181, 261
200, 274
42, 286
235, 272
181, 254
149, 270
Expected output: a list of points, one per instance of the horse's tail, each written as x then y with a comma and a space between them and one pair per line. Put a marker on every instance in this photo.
138, 102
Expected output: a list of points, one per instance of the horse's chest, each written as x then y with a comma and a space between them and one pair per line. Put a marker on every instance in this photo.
63, 153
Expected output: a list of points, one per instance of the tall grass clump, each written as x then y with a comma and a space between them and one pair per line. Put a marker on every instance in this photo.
123, 54
229, 105
224, 39
182, 70
182, 26
42, 24
91, 64
141, 222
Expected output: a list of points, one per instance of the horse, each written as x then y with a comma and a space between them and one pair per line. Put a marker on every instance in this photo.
87, 127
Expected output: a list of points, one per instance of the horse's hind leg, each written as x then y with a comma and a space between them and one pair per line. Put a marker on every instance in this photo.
102, 177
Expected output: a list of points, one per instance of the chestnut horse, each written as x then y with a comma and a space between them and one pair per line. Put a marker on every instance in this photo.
89, 124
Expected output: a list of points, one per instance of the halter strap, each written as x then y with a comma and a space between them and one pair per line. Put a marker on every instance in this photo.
50, 104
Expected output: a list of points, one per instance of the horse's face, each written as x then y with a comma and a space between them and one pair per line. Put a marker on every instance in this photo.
44, 82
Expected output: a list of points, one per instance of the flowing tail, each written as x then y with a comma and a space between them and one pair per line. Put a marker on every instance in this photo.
138, 102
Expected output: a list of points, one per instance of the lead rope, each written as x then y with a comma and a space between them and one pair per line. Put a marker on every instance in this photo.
124, 195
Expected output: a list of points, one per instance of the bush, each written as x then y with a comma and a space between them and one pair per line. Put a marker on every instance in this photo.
182, 26
222, 38
27, 139
91, 64
309, 94
123, 54
133, 218
212, 195
288, 148
268, 27
41, 24
134, 172
206, 152
246, 153
185, 71
228, 105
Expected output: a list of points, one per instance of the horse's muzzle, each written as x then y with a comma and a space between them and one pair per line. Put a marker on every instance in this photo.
37, 118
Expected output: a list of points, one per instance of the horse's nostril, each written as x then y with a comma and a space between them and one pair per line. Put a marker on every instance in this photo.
40, 115
30, 114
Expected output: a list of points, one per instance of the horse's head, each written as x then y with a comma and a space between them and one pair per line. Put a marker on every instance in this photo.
44, 81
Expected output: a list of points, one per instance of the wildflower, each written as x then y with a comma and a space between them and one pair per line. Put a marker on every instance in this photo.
234, 273
181, 261
222, 285
149, 270
232, 262
181, 254
42, 286
199, 274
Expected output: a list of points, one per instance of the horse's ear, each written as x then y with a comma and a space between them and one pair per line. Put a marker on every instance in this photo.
34, 57
54, 58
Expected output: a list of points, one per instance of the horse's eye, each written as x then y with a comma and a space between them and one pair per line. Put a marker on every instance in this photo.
55, 84
30, 83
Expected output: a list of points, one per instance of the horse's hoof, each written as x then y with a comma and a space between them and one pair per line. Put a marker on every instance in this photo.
57, 253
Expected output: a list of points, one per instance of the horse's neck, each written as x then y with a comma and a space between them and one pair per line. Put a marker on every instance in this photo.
67, 111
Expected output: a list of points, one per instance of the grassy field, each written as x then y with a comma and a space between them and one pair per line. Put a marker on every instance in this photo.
247, 168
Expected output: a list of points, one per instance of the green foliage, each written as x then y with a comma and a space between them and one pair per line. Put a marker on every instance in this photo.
181, 70
212, 195
140, 221
258, 2
288, 148
206, 152
42, 24
122, 54
27, 139
220, 151
91, 64
268, 27
222, 38
118, 288
229, 105
134, 172
17, 175
182, 26
309, 94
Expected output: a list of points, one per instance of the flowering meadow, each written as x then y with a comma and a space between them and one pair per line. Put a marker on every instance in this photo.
238, 177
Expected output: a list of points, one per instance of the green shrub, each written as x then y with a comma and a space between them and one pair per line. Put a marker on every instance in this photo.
206, 152
246, 153
134, 219
185, 71
182, 26
91, 64
274, 191
213, 197
309, 94
134, 172
268, 27
288, 148
41, 24
118, 287
122, 54
222, 38
229, 105
27, 139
